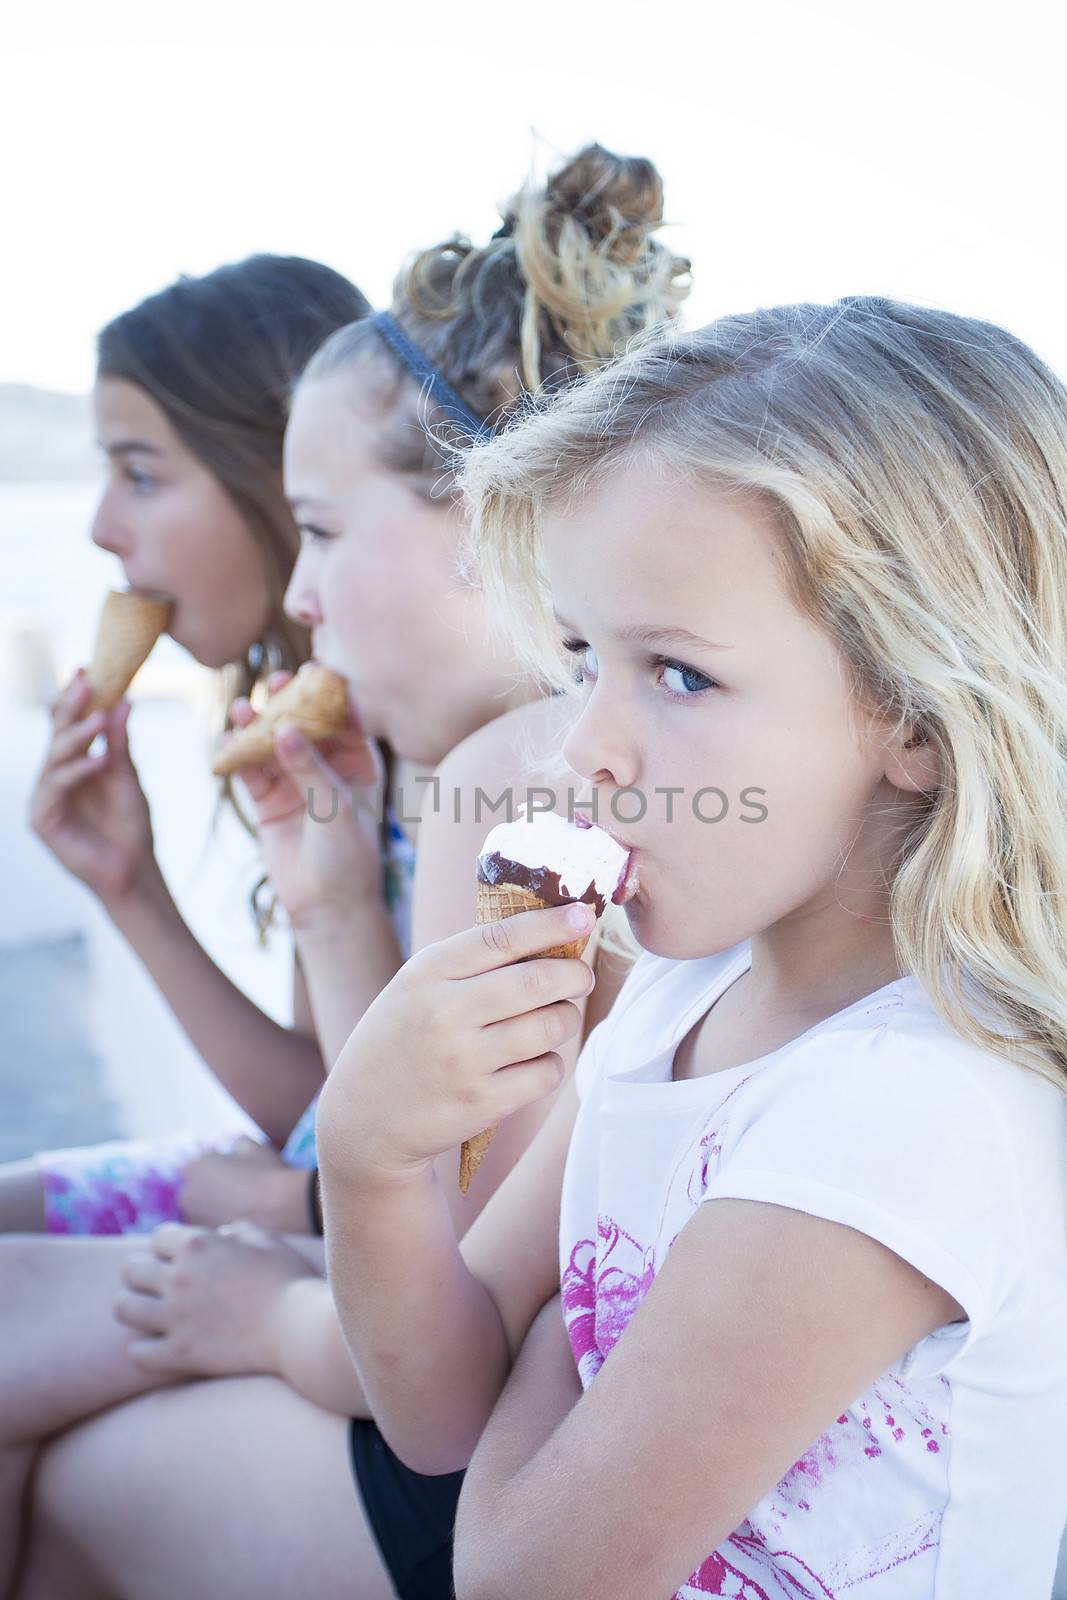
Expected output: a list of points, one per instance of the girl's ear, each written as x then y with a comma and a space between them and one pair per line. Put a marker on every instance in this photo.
912, 763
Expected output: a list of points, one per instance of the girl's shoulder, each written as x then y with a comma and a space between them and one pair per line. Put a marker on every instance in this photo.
521, 746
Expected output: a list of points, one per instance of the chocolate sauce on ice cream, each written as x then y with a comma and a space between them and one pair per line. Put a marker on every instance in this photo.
556, 860
541, 881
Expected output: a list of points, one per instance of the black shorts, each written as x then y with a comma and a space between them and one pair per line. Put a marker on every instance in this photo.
412, 1517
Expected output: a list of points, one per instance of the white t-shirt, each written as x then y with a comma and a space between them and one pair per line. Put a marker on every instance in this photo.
947, 1479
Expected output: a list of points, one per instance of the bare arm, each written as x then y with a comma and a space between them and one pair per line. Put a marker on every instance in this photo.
270, 1070
346, 961
761, 1328
310, 1352
91, 812
434, 1325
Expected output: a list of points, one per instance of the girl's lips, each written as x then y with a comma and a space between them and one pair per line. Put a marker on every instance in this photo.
628, 884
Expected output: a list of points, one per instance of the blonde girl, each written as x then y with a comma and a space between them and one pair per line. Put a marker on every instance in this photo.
795, 1326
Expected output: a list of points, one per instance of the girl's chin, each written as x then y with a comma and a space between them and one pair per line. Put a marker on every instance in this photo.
670, 937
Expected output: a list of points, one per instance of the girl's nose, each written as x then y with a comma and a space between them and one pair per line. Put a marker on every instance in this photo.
302, 598
108, 531
598, 746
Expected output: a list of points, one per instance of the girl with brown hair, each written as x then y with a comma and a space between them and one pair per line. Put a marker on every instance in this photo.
191, 397
190, 400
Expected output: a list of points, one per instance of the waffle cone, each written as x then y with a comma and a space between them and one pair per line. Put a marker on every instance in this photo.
129, 626
496, 901
316, 700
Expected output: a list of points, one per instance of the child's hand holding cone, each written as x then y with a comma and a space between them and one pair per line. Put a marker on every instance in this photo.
316, 700
466, 1034
317, 806
539, 859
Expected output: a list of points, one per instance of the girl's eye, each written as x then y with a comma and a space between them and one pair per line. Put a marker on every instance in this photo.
586, 664
142, 481
687, 681
316, 535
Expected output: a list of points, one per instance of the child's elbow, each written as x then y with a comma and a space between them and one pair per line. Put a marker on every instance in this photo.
428, 1459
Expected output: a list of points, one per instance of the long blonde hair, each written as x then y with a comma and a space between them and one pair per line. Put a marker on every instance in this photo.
917, 464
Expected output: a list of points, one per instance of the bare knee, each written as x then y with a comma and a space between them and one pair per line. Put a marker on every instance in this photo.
63, 1491
58, 1560
73, 1503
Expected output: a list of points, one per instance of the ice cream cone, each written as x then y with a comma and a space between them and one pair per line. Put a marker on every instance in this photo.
316, 700
496, 901
129, 626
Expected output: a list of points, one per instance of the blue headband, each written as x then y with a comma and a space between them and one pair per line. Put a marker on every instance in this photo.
437, 386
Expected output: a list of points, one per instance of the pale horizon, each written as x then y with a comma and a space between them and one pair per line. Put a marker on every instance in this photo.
916, 153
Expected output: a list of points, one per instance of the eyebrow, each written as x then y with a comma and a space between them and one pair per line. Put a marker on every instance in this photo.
300, 501
126, 447
641, 633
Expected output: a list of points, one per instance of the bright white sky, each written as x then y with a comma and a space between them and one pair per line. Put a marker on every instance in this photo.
811, 148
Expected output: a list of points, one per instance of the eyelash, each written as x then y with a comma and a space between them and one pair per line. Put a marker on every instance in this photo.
577, 647
141, 481
316, 535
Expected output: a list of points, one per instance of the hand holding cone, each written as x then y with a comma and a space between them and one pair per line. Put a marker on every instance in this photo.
316, 700
129, 626
565, 862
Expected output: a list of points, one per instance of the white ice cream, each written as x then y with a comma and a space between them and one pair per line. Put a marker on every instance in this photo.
579, 856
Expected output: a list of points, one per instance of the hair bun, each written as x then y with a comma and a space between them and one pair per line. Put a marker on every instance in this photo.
618, 200
593, 274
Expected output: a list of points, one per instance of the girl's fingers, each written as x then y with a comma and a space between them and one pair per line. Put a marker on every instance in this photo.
71, 701
496, 944
118, 739
245, 1232
64, 779
144, 1273
76, 739
355, 758
145, 1313
520, 1085
241, 713
259, 781
171, 1238
530, 1036
524, 987
306, 769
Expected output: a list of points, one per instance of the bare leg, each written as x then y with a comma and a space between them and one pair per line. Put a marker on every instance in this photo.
15, 1465
21, 1197
219, 1489
62, 1354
